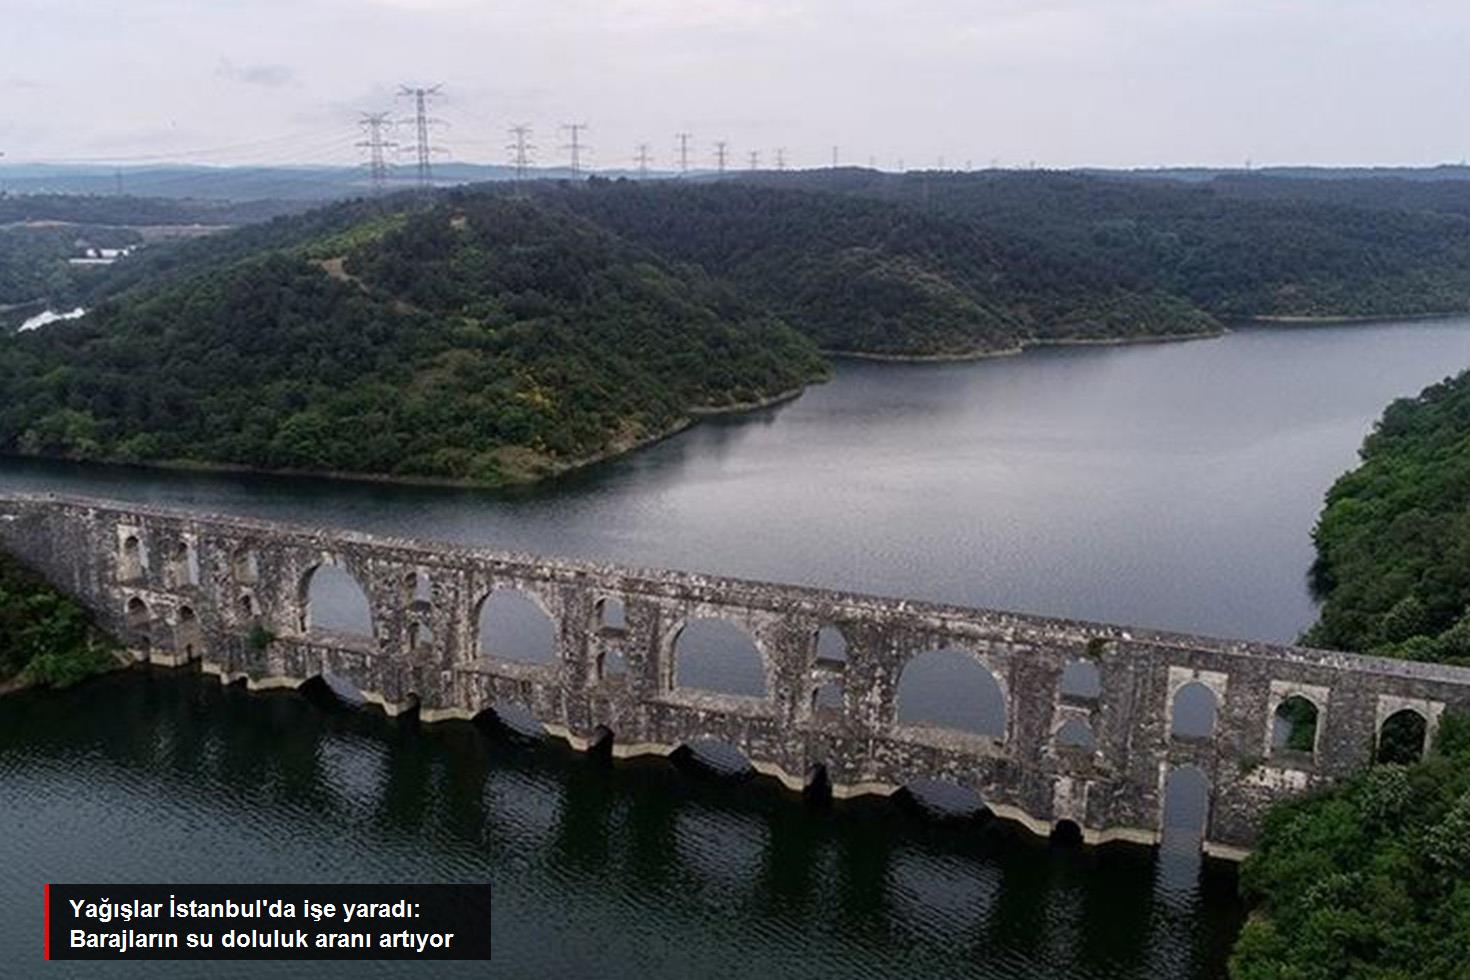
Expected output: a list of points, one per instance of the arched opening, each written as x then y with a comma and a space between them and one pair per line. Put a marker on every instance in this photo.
1066, 833
1401, 739
246, 605
827, 701
718, 656
182, 569
1186, 808
942, 798
511, 719
139, 617
1081, 680
335, 602
188, 637
600, 744
712, 757
612, 666
1294, 726
817, 787
408, 709
611, 614
513, 626
1193, 714
1076, 733
245, 567
333, 692
417, 588
131, 563
831, 645
420, 638
951, 688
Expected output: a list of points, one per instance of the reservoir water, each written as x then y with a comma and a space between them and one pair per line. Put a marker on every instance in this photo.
1171, 486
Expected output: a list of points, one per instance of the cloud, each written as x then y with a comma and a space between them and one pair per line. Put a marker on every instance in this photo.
266, 76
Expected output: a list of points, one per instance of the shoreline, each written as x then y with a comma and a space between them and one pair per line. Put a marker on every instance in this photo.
18, 683
1024, 346
693, 416
1291, 320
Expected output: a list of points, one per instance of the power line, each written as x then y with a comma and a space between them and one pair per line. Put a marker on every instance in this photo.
521, 149
683, 139
422, 122
575, 146
373, 123
643, 160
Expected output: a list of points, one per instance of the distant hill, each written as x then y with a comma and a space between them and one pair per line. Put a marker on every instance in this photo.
501, 332
871, 277
1238, 247
484, 339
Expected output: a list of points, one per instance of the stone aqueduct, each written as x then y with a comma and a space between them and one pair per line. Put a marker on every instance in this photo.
232, 593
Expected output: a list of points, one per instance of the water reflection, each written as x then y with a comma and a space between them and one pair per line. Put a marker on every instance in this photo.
656, 874
1168, 485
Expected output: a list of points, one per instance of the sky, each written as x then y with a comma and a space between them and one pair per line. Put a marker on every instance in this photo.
1058, 83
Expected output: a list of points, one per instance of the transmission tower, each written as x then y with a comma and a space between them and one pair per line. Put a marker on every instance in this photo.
373, 124
721, 152
521, 149
424, 151
780, 158
683, 139
755, 159
575, 147
643, 160
834, 158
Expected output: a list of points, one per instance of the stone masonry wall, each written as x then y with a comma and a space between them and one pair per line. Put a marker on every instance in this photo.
180, 587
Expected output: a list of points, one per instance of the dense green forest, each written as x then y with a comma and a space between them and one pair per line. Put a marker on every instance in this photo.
874, 277
45, 638
496, 333
1393, 543
33, 261
1370, 880
1235, 247
481, 338
122, 209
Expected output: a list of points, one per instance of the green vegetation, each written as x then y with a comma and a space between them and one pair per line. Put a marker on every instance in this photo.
493, 335
483, 339
33, 262
1236, 247
1369, 880
872, 277
45, 638
1393, 544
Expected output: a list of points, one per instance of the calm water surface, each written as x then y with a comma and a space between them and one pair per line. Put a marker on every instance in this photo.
1171, 486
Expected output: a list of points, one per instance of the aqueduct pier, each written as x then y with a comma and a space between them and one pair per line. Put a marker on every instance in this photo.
233, 594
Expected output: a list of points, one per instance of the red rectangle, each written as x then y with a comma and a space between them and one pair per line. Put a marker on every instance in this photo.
48, 921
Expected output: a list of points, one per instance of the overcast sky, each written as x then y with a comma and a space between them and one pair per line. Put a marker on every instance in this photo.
1061, 82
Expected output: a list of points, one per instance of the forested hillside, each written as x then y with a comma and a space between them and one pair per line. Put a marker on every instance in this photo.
872, 277
1372, 878
33, 261
482, 339
1234, 248
496, 333
1393, 544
